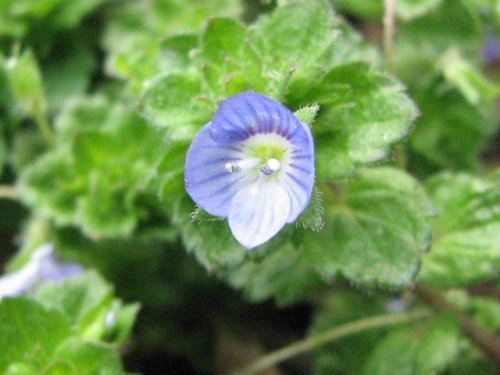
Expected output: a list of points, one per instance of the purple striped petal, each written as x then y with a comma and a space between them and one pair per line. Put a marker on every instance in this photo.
243, 115
207, 181
257, 213
298, 177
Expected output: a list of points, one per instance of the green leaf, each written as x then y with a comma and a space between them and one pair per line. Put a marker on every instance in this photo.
71, 12
26, 83
263, 57
410, 9
133, 32
221, 38
394, 353
171, 170
49, 174
173, 101
27, 146
79, 298
371, 9
210, 241
15, 16
124, 318
451, 24
82, 114
29, 332
348, 46
100, 173
97, 212
312, 217
361, 115
88, 358
228, 59
292, 50
465, 247
374, 9
88, 302
307, 114
418, 351
283, 274
21, 369
175, 52
475, 88
440, 345
451, 132
340, 307
295, 35
485, 311
70, 75
375, 229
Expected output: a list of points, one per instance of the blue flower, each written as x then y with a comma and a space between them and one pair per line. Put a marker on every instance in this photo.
253, 164
42, 267
491, 49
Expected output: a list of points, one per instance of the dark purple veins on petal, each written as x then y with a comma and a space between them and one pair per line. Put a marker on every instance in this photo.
246, 114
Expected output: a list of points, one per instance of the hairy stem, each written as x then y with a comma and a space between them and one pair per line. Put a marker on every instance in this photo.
336, 333
483, 339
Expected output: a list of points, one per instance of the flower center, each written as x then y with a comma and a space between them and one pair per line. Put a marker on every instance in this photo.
268, 168
264, 155
267, 151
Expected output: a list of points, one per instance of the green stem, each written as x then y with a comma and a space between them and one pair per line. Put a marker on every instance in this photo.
435, 299
8, 192
336, 333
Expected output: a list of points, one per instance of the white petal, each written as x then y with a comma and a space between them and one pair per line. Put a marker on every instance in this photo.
257, 212
17, 283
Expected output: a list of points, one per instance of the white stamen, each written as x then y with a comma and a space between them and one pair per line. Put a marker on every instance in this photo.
273, 164
232, 167
248, 163
270, 167
241, 165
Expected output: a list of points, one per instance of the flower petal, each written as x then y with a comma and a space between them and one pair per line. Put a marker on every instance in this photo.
207, 181
298, 178
17, 283
246, 114
257, 213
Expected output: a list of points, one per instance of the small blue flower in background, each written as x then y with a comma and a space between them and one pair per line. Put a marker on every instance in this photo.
41, 268
491, 49
254, 164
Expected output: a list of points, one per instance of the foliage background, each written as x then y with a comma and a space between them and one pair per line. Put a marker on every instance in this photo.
99, 101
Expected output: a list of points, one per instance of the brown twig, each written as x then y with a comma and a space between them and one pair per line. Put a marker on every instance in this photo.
388, 34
